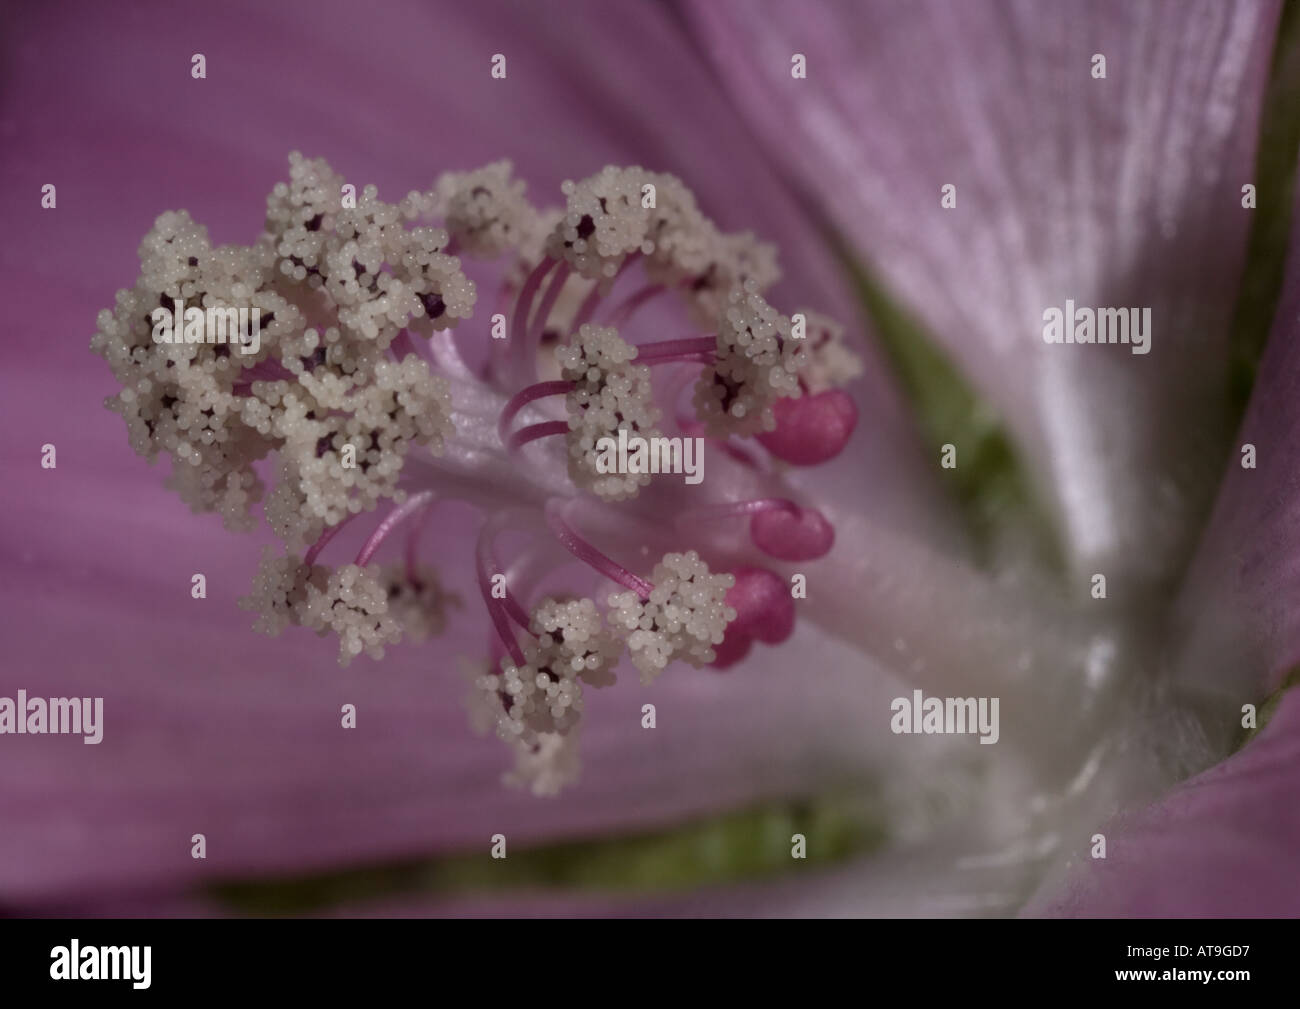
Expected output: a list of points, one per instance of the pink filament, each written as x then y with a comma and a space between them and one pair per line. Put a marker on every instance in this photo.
548, 302
403, 346
679, 359
519, 325
535, 431
692, 345
593, 299
626, 308
394, 518
485, 563
592, 557
525, 396
519, 333
309, 558
734, 509
413, 545
694, 428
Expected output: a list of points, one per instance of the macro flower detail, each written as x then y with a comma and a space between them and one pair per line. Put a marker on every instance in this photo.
362, 392
609, 394
756, 363
682, 616
1086, 553
486, 211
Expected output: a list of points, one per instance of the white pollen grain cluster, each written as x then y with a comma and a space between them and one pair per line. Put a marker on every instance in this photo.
354, 605
610, 394
739, 261
684, 242
604, 222
757, 363
572, 630
685, 616
328, 400
537, 707
690, 254
349, 601
417, 600
547, 766
279, 591
830, 363
486, 211
343, 444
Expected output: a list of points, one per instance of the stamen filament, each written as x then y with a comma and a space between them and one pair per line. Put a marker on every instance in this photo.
674, 348
525, 396
625, 309
486, 565
558, 279
678, 359
535, 431
694, 429
413, 544
592, 557
309, 558
403, 346
736, 509
519, 324
590, 303
394, 518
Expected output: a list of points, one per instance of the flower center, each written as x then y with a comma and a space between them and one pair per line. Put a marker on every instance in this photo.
357, 392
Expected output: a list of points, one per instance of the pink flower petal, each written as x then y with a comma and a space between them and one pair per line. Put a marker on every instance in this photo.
1117, 192
213, 729
1222, 845
1237, 618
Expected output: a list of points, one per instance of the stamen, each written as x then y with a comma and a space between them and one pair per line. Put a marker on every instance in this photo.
413, 543
525, 396
592, 557
684, 616
534, 432
486, 568
628, 307
309, 558
697, 358
403, 346
648, 353
558, 279
695, 429
385, 528
488, 558
597, 294
523, 343
519, 325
